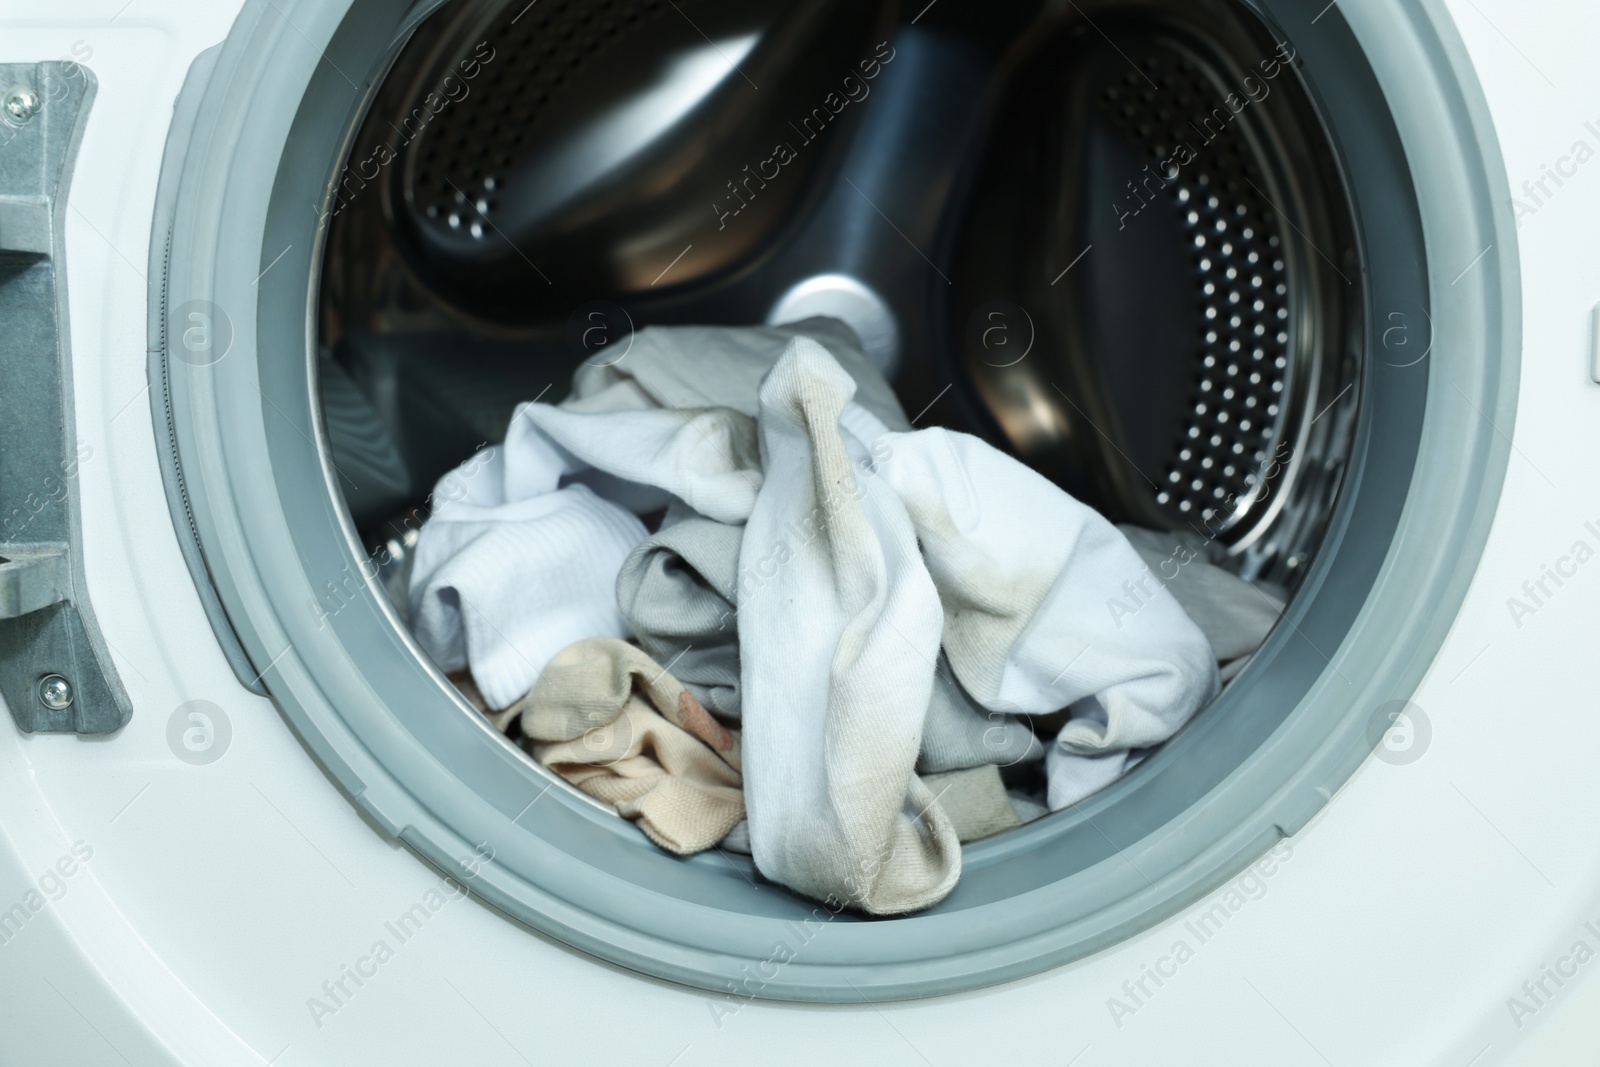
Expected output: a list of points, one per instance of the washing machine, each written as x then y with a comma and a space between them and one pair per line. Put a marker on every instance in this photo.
1314, 280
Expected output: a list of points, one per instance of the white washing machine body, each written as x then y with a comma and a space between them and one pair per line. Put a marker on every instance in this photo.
236, 908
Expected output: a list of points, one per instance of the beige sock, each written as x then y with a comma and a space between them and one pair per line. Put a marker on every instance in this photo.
613, 722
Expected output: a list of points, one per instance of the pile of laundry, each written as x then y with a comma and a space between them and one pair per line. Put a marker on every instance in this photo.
726, 588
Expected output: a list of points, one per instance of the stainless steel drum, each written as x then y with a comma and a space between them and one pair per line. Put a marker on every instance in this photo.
1116, 232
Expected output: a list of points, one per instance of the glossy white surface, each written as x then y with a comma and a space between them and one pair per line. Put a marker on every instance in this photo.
219, 898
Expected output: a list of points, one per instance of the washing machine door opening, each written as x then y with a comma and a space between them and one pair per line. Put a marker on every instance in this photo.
1113, 288
1152, 249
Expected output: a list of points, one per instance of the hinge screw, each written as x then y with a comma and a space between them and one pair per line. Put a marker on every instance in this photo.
20, 104
55, 692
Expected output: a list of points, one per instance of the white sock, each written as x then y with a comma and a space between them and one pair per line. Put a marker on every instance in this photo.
500, 584
837, 649
707, 458
1029, 578
1071, 777
513, 567
689, 367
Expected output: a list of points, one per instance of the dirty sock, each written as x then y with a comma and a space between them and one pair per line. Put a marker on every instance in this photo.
975, 801
837, 650
1026, 576
616, 724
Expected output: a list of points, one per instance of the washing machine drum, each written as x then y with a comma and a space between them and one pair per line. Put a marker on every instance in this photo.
1157, 250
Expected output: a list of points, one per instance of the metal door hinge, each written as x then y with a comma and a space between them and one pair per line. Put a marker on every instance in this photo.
55, 671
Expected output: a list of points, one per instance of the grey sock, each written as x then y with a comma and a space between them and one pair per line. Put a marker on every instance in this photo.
1235, 615
958, 733
676, 590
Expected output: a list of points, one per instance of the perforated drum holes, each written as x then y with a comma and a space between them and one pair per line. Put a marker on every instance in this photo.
199, 332
199, 732
1399, 732
1001, 333
600, 333
1184, 121
454, 181
451, 87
